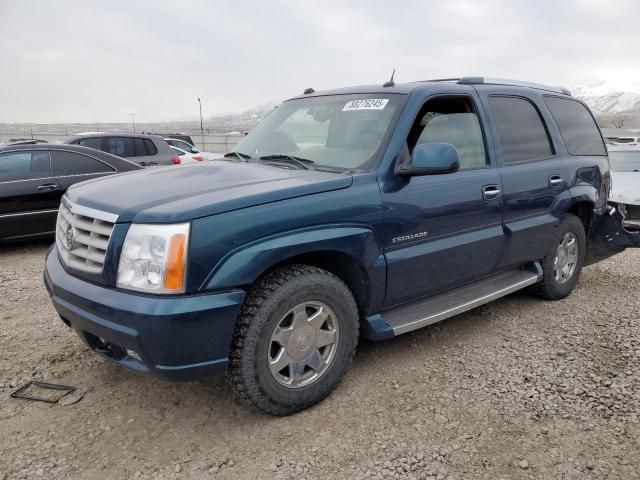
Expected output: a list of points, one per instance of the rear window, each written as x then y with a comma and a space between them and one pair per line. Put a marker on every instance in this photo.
577, 127
523, 136
70, 163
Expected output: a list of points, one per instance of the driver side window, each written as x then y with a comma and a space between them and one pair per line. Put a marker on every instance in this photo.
451, 120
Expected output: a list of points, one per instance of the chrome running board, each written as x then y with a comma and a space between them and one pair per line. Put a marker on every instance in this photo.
418, 314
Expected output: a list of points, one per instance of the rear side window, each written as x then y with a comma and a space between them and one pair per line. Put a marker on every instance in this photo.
121, 146
523, 136
144, 147
70, 163
577, 127
183, 145
24, 165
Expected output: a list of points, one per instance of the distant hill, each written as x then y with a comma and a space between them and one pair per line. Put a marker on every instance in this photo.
613, 105
241, 122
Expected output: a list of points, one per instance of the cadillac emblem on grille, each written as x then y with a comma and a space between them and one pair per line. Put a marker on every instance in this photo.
69, 237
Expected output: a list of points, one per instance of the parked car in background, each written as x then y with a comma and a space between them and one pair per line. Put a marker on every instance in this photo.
33, 178
145, 150
178, 136
23, 141
190, 148
625, 184
187, 157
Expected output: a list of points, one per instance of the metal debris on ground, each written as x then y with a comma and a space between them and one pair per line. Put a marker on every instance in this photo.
43, 392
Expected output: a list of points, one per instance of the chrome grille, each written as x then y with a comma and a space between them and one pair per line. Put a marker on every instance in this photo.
82, 236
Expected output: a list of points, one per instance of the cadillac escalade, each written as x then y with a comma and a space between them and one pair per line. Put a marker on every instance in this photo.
362, 212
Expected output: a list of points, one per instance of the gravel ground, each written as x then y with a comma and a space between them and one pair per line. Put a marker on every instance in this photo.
519, 388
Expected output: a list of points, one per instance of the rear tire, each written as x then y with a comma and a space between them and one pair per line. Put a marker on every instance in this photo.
562, 264
294, 340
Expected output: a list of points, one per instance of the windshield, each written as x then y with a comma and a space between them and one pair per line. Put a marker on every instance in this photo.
336, 131
628, 161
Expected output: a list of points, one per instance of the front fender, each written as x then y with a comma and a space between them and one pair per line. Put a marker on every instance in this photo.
245, 264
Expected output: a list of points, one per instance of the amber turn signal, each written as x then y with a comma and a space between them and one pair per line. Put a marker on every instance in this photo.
174, 277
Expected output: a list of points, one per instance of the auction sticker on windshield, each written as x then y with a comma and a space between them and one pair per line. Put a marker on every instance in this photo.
366, 104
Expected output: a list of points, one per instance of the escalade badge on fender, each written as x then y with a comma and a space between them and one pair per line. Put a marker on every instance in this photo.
69, 237
407, 238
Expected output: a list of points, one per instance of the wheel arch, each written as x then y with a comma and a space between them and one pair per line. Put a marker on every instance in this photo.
344, 266
351, 253
584, 211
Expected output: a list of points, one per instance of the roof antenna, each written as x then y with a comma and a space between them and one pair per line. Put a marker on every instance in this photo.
390, 82
308, 91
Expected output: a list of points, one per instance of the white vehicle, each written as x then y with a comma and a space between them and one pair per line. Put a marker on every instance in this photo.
187, 147
625, 184
186, 157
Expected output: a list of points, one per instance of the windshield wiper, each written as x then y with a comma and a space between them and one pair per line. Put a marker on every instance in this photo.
305, 163
239, 155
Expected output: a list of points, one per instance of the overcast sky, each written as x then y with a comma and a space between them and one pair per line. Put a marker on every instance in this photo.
89, 60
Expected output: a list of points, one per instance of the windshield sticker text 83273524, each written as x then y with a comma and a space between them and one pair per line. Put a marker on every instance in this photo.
366, 104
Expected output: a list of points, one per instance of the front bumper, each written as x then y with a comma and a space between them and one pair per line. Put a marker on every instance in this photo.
171, 337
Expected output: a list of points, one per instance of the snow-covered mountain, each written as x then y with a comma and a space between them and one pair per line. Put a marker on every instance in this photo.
609, 98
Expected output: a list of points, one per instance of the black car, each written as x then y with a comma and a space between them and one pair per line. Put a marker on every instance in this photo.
33, 179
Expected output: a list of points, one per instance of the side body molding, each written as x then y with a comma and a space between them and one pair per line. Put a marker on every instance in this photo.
244, 265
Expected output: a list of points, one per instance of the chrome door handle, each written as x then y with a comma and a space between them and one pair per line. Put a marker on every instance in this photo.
47, 187
556, 181
491, 192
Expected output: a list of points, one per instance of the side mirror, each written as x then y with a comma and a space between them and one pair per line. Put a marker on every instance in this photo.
431, 159
194, 150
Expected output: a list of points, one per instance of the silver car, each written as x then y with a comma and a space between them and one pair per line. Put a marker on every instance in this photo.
145, 150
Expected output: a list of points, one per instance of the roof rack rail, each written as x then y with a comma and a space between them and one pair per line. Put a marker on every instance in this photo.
443, 80
513, 83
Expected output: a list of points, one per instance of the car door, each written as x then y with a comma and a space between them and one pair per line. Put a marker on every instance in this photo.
441, 231
72, 167
29, 195
535, 172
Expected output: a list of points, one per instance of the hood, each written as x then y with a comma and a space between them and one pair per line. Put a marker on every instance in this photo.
180, 193
625, 188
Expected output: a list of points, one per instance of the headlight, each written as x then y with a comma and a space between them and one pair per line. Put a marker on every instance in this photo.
153, 258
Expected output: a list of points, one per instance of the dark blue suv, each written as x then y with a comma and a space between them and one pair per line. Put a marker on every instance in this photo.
366, 211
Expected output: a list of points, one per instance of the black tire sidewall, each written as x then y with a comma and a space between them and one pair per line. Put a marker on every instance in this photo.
321, 287
555, 289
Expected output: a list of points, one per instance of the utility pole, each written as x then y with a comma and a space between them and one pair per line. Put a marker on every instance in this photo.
201, 129
133, 122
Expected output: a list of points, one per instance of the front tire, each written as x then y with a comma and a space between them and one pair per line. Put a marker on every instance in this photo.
562, 264
294, 340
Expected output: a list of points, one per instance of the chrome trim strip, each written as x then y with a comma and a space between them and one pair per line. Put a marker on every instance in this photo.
41, 234
27, 180
90, 212
4, 215
430, 319
85, 174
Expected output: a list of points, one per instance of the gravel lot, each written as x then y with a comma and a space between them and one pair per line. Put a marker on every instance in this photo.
520, 388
